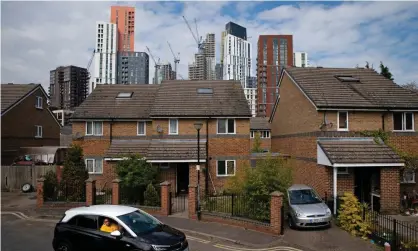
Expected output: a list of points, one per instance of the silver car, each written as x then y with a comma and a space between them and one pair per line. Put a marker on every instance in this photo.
306, 208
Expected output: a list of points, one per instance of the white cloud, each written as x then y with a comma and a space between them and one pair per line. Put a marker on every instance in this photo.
39, 36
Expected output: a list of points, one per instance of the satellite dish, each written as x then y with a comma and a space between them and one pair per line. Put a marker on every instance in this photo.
159, 129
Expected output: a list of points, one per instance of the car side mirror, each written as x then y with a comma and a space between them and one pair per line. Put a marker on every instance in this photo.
116, 233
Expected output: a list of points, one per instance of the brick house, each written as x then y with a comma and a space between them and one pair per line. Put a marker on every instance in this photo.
320, 118
26, 120
261, 126
157, 122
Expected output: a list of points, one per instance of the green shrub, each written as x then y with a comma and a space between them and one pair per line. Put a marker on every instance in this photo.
350, 216
50, 185
151, 196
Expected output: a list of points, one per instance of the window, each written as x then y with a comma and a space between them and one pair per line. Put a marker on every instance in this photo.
252, 133
225, 168
124, 95
85, 221
347, 79
205, 91
342, 121
94, 166
265, 134
253, 163
173, 126
39, 102
141, 128
226, 126
403, 121
342, 170
408, 176
38, 131
94, 128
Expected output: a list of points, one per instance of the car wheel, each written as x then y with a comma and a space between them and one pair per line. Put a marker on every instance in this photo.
26, 188
63, 246
290, 222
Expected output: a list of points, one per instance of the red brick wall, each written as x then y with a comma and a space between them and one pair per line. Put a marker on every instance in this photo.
390, 189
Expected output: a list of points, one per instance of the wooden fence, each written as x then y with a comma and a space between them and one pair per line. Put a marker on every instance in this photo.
13, 177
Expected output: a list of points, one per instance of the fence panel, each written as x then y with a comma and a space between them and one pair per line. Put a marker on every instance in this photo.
254, 207
64, 193
103, 196
13, 177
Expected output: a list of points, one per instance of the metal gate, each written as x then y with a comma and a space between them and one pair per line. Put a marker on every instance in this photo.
179, 203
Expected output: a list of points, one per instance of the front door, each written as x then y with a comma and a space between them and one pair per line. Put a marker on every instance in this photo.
182, 178
366, 179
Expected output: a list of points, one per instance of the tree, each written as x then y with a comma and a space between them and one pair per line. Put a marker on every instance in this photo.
135, 172
151, 196
50, 185
384, 71
74, 174
257, 143
412, 86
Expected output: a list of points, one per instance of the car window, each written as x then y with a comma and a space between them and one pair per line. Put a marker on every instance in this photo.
140, 222
303, 196
85, 221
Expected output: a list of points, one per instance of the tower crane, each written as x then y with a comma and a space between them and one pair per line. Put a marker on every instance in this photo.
176, 59
89, 75
156, 65
197, 38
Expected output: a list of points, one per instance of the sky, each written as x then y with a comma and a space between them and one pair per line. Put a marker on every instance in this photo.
37, 37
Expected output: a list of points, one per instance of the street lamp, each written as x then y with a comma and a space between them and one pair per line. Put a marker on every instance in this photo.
198, 126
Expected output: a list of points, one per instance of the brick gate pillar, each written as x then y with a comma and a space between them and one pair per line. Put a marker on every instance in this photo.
116, 192
90, 191
390, 190
40, 192
192, 200
276, 216
165, 198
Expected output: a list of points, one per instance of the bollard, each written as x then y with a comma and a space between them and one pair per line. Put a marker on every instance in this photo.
387, 246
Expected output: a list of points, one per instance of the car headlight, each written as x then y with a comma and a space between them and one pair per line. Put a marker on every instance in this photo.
160, 247
328, 211
299, 214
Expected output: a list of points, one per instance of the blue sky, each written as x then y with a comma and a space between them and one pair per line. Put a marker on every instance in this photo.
39, 36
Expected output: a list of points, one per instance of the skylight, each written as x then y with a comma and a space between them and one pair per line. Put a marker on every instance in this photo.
124, 95
205, 91
347, 79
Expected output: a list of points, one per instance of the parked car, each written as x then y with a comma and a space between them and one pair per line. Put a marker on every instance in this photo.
130, 228
306, 208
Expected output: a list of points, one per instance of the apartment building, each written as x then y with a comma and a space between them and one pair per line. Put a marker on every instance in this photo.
321, 120
132, 67
124, 19
300, 59
161, 129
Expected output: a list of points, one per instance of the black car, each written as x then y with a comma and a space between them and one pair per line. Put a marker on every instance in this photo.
115, 228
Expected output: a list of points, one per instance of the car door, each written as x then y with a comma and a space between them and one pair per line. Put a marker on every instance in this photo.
88, 238
112, 243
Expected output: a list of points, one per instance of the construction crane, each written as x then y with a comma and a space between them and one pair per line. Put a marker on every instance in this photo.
176, 59
88, 75
156, 65
197, 38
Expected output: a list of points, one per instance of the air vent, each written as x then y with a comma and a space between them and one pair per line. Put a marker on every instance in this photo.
124, 95
205, 91
347, 79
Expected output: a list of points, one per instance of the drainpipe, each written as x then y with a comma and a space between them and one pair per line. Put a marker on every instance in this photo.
383, 121
110, 134
334, 184
207, 158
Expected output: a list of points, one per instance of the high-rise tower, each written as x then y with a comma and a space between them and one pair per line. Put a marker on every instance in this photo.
124, 18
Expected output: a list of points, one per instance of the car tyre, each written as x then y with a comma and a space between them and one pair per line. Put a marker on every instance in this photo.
291, 223
63, 246
26, 188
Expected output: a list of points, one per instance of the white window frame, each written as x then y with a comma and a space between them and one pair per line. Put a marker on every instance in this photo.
37, 135
403, 181
226, 126
92, 128
262, 134
338, 121
39, 102
177, 127
404, 122
252, 134
226, 165
145, 128
94, 165
344, 170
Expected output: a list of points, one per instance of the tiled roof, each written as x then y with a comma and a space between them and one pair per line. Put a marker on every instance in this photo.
175, 150
357, 151
372, 91
181, 98
11, 93
128, 146
259, 123
102, 102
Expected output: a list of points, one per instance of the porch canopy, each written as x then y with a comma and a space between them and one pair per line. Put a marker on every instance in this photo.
158, 150
354, 152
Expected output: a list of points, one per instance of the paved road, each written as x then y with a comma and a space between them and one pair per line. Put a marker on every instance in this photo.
21, 235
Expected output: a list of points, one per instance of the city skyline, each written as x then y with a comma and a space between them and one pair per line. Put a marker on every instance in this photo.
365, 32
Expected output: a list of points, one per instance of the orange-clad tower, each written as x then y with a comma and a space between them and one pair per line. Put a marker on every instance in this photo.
124, 18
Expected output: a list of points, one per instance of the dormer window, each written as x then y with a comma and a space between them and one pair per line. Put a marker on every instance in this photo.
205, 91
123, 95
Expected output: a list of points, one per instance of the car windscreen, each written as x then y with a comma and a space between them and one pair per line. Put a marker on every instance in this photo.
303, 196
140, 222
